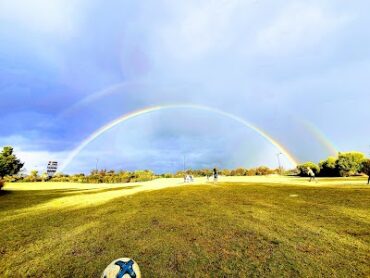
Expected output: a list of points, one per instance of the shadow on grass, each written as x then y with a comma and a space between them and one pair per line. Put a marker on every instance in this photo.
3, 192
19, 199
231, 231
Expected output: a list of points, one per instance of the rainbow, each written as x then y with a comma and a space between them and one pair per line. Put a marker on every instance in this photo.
147, 110
320, 137
96, 96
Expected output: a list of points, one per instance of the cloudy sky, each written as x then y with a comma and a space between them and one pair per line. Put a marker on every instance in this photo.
298, 70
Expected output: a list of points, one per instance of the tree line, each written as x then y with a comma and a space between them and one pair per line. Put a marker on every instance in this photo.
122, 176
10, 167
344, 165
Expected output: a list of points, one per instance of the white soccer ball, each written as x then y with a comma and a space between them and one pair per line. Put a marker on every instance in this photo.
122, 268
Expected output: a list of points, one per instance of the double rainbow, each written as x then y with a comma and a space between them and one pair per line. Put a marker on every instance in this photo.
147, 110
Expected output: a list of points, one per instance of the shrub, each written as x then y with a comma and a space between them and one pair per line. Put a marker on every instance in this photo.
14, 178
143, 175
167, 175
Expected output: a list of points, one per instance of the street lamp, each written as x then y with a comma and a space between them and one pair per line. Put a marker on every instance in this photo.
279, 162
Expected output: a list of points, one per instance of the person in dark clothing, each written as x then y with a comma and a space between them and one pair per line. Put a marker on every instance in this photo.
215, 175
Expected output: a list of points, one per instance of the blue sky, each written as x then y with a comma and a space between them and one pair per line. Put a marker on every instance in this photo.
295, 69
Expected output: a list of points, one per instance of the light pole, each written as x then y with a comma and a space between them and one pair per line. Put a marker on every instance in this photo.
96, 165
279, 162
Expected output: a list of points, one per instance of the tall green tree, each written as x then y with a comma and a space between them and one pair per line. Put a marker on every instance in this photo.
9, 163
349, 163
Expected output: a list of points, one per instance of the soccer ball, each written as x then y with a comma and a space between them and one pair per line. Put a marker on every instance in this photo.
122, 268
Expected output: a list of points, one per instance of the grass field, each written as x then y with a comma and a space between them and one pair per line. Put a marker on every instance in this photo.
240, 227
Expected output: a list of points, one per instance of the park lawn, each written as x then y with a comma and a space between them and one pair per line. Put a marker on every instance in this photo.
238, 229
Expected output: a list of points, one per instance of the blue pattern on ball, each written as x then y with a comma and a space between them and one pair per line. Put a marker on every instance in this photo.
125, 268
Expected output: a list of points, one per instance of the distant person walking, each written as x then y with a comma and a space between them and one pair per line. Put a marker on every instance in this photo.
368, 179
311, 174
215, 175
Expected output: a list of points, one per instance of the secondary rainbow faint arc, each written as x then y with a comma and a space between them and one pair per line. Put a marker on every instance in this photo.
321, 137
151, 109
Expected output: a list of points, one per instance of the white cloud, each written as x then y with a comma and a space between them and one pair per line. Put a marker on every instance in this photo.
197, 28
45, 16
298, 26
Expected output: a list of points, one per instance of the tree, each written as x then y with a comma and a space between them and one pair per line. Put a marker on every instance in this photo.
9, 163
349, 163
328, 167
251, 172
223, 172
302, 168
365, 166
263, 170
240, 172
33, 176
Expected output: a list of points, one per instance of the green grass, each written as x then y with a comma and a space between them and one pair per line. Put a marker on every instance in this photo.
238, 229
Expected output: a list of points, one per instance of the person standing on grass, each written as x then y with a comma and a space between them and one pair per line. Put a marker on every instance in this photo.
215, 175
311, 174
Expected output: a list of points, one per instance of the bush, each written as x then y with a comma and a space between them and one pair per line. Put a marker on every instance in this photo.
143, 175
12, 178
167, 175
302, 168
